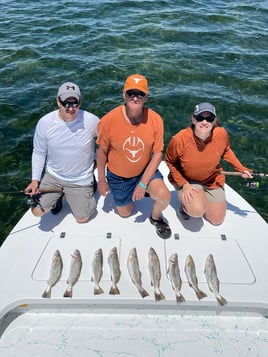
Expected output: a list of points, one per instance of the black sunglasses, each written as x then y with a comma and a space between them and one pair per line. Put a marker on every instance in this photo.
135, 93
209, 119
66, 104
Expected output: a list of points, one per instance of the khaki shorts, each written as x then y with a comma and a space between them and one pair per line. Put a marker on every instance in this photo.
212, 195
80, 198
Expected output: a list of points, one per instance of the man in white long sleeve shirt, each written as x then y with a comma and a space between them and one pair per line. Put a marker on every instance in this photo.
63, 156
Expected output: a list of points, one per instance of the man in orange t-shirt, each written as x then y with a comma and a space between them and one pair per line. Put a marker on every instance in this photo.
130, 139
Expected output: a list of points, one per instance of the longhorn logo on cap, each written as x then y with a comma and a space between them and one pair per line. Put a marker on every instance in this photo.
137, 80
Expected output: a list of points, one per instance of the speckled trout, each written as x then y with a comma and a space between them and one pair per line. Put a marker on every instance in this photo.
97, 266
113, 262
134, 272
191, 277
212, 279
54, 274
173, 273
74, 273
155, 273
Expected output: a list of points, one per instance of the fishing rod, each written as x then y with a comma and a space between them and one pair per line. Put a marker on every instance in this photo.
236, 173
249, 184
41, 190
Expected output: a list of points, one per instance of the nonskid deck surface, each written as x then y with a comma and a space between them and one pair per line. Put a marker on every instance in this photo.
126, 330
239, 247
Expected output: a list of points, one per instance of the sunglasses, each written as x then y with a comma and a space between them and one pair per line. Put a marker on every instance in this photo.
209, 119
135, 93
67, 104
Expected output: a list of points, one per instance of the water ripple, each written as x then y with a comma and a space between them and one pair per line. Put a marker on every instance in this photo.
190, 51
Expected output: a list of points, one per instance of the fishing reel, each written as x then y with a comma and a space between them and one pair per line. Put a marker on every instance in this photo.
33, 201
254, 185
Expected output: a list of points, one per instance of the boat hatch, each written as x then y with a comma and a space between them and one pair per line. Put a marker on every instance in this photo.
66, 244
231, 262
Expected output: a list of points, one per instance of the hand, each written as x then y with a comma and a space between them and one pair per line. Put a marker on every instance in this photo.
103, 187
247, 174
138, 193
186, 195
33, 188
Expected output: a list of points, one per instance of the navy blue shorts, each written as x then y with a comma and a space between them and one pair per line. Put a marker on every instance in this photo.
122, 188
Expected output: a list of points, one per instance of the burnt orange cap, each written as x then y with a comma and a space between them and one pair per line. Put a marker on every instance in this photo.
137, 81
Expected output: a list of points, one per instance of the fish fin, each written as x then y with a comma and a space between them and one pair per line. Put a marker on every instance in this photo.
143, 293
114, 291
159, 296
47, 293
200, 294
221, 300
98, 291
68, 293
168, 276
180, 298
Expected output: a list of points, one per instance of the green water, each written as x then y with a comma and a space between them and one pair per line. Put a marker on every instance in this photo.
190, 51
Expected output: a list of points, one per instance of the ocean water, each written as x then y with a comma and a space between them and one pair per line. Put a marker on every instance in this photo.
190, 51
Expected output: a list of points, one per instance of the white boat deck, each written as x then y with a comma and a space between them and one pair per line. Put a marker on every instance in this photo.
126, 324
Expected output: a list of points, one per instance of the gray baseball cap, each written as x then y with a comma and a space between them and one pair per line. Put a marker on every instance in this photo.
68, 90
204, 107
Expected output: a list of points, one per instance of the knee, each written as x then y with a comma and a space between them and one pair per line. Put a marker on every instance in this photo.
195, 210
124, 211
37, 212
215, 221
124, 215
82, 220
166, 195
162, 194
216, 213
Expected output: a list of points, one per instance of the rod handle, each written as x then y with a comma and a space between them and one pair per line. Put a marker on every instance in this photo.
236, 173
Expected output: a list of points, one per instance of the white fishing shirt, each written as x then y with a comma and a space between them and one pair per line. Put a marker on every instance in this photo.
66, 149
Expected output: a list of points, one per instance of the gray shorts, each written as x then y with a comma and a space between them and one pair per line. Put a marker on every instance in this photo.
80, 198
212, 194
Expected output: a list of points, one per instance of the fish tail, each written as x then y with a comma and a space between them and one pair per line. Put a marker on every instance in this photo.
180, 298
221, 300
47, 293
143, 293
68, 293
98, 290
200, 294
114, 290
159, 296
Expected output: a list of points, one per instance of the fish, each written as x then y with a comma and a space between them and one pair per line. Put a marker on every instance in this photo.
97, 265
134, 272
115, 271
212, 279
191, 277
155, 273
74, 273
54, 274
173, 273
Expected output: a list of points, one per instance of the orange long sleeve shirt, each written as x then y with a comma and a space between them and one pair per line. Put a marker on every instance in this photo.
192, 159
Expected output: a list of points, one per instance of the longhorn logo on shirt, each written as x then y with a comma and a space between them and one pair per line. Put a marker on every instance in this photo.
133, 148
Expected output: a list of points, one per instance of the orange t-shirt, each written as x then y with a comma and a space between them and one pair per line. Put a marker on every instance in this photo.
190, 158
130, 147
